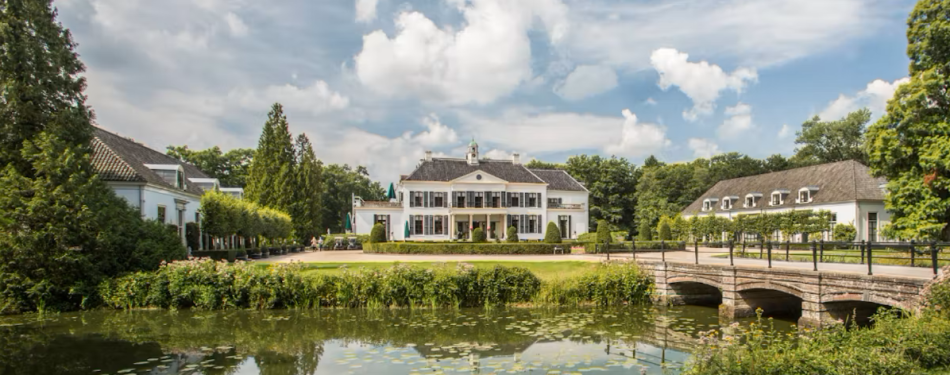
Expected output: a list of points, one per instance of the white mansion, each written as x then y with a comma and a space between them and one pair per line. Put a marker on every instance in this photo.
845, 188
446, 198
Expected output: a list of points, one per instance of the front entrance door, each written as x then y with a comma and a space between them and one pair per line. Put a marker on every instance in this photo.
461, 229
494, 230
565, 231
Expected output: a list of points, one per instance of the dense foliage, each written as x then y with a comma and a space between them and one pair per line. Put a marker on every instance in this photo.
512, 235
230, 168
552, 234
377, 234
225, 215
909, 145
341, 183
664, 230
61, 229
845, 232
204, 284
831, 140
460, 248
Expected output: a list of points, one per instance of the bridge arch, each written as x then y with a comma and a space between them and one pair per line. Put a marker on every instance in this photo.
691, 290
787, 289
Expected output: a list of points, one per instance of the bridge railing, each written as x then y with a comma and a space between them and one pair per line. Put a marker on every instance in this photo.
912, 254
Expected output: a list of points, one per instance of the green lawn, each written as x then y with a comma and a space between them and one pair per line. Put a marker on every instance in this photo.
544, 270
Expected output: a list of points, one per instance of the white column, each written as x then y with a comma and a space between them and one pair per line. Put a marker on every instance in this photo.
471, 225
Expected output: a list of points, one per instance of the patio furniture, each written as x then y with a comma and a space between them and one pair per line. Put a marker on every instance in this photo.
351, 243
338, 243
558, 249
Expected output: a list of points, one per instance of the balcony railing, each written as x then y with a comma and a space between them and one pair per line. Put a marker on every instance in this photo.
484, 205
381, 204
565, 206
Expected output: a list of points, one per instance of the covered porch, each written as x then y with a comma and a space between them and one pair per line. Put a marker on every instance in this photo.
493, 223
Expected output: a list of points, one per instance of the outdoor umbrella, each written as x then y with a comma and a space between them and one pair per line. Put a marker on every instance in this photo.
349, 224
392, 192
407, 229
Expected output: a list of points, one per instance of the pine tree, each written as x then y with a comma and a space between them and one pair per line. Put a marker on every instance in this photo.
306, 211
285, 163
262, 174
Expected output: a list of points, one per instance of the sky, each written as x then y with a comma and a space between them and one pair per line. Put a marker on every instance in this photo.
379, 82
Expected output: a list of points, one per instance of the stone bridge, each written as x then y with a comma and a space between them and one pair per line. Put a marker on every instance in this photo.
815, 298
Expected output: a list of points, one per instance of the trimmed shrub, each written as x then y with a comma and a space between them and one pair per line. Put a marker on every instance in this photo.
587, 237
552, 234
512, 235
459, 248
478, 236
645, 231
845, 233
603, 232
378, 234
664, 231
606, 285
229, 255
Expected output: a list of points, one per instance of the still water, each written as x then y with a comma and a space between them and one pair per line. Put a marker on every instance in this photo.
469, 341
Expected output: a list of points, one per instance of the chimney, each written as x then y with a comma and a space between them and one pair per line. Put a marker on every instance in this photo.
516, 158
428, 155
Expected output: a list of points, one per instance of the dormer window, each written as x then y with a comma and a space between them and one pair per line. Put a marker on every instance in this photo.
727, 202
173, 174
805, 194
752, 199
778, 197
708, 203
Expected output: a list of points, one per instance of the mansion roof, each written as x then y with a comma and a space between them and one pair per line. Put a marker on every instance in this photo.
558, 180
446, 169
115, 158
829, 183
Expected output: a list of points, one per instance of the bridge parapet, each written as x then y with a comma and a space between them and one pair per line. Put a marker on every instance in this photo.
820, 297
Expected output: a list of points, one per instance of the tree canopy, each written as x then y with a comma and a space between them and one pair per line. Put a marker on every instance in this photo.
230, 168
828, 141
909, 145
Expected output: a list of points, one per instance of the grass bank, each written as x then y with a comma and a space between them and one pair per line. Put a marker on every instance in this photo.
205, 284
897, 345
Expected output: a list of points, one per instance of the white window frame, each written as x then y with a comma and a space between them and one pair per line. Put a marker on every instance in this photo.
708, 204
806, 194
772, 202
726, 204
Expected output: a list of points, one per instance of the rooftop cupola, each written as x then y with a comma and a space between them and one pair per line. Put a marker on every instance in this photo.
472, 155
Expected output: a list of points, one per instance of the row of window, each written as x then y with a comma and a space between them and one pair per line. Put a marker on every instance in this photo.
427, 225
475, 199
752, 199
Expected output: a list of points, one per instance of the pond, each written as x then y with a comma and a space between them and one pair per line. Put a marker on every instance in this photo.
624, 340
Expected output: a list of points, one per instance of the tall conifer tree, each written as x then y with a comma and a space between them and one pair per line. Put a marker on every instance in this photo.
309, 187
263, 172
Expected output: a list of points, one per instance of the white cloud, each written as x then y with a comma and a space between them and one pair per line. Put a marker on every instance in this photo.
316, 98
638, 139
738, 122
365, 10
703, 148
585, 81
784, 132
873, 97
702, 82
489, 57
438, 134
235, 24
754, 33
496, 154
650, 101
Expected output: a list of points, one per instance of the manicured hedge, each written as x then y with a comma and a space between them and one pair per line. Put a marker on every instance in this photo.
459, 248
230, 255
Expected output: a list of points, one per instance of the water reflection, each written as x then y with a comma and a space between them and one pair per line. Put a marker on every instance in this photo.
567, 341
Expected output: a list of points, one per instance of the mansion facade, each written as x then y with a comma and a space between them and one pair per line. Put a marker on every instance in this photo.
447, 198
846, 189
